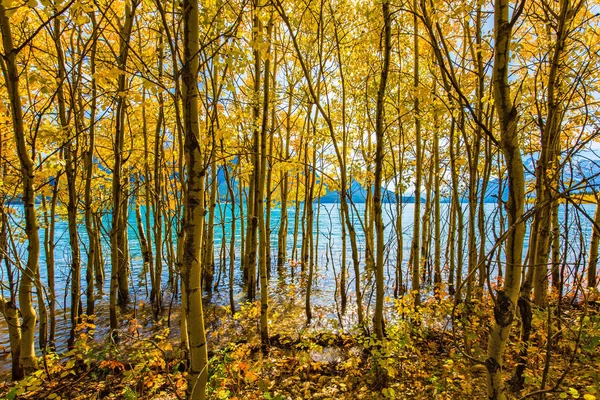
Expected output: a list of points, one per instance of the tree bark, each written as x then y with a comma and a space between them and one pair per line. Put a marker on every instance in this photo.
118, 282
506, 299
191, 268
380, 128
31, 272
415, 259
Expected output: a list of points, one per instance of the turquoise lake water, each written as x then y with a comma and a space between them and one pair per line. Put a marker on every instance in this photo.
327, 230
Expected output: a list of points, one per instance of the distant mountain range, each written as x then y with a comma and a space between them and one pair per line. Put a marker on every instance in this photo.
576, 171
358, 194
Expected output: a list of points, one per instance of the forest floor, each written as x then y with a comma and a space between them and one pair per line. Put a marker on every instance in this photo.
420, 358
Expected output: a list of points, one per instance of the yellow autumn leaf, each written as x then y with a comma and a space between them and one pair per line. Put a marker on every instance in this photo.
251, 376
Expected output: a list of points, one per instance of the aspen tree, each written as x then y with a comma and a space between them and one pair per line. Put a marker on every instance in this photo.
191, 267
415, 256
28, 358
263, 230
146, 231
594, 241
456, 218
70, 150
426, 234
308, 211
118, 280
547, 169
506, 298
284, 179
473, 148
344, 127
49, 217
379, 155
254, 190
208, 265
144, 234
157, 208
398, 166
93, 269
270, 160
8, 307
231, 199
344, 196
437, 262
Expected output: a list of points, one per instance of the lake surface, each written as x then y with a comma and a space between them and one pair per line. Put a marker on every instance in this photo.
328, 233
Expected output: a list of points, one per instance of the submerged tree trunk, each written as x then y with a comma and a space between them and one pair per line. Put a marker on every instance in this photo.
118, 282
231, 195
342, 166
595, 240
547, 169
284, 220
9, 310
254, 190
208, 267
260, 192
49, 246
70, 152
158, 209
93, 256
437, 262
415, 258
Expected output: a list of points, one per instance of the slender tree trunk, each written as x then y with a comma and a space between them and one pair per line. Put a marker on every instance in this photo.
191, 267
472, 219
296, 224
70, 152
415, 254
341, 161
506, 299
27, 168
269, 161
100, 272
380, 128
231, 195
118, 260
555, 247
9, 310
124, 267
437, 245
284, 220
481, 217
426, 227
49, 246
595, 240
254, 190
260, 193
208, 268
547, 170
93, 257
157, 201
455, 217
145, 245
241, 203
307, 234
484, 176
